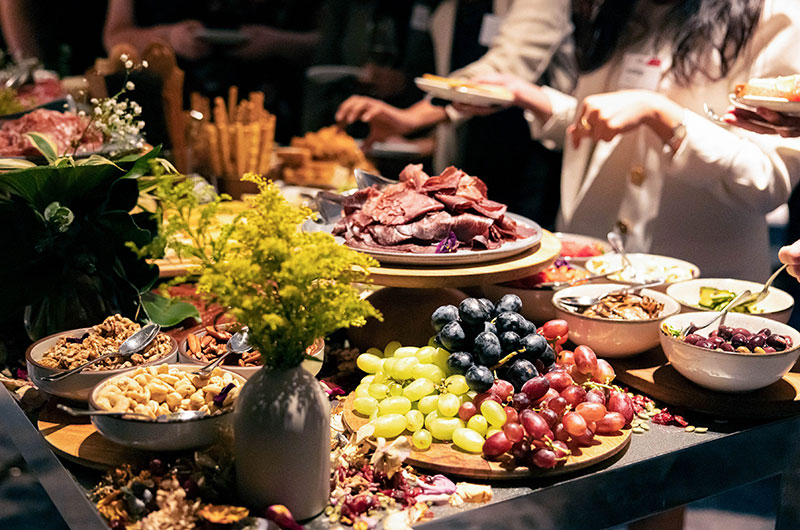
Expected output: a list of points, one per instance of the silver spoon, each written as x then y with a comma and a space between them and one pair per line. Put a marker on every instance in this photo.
181, 415
133, 344
691, 328
616, 243
581, 302
236, 344
755, 298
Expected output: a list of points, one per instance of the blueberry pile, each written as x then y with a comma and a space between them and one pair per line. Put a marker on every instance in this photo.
741, 340
481, 335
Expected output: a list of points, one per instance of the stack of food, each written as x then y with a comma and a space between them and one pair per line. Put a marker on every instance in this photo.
423, 214
239, 139
325, 159
30, 96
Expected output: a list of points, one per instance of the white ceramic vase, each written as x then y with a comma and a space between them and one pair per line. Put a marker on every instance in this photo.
282, 442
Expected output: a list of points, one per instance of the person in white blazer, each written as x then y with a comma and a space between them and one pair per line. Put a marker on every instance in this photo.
639, 153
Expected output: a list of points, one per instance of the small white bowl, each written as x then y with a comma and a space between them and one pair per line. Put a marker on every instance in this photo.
612, 338
316, 350
581, 240
776, 306
651, 266
161, 436
728, 371
76, 387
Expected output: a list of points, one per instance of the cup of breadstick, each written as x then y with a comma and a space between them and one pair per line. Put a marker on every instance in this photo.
233, 138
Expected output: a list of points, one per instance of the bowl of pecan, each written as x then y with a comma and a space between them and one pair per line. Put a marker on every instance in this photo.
208, 343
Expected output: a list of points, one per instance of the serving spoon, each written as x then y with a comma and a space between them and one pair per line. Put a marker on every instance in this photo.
582, 302
133, 344
616, 243
236, 344
691, 328
755, 298
181, 415
365, 179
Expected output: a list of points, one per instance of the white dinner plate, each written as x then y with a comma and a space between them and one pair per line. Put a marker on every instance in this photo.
782, 105
483, 97
459, 257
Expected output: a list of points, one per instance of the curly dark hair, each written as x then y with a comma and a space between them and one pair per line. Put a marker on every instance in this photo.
693, 26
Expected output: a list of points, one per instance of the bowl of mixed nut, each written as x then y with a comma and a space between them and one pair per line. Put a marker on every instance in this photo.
70, 349
208, 343
155, 394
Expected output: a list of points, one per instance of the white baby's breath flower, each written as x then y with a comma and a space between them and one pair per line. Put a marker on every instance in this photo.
82, 114
123, 57
128, 64
94, 101
98, 111
145, 64
129, 85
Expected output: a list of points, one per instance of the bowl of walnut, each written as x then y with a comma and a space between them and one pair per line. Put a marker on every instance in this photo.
70, 349
157, 392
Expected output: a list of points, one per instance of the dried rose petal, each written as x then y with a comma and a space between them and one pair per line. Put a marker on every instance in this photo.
219, 399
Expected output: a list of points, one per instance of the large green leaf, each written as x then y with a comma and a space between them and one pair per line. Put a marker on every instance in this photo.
167, 312
45, 145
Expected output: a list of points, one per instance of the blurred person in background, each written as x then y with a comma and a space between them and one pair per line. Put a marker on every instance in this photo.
639, 153
266, 47
529, 38
65, 37
362, 50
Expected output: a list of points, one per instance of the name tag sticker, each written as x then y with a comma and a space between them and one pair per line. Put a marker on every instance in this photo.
420, 14
490, 27
640, 71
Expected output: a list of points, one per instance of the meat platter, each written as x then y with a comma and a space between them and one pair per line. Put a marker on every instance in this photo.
422, 220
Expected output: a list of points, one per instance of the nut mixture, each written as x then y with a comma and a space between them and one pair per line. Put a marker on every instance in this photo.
625, 306
155, 390
71, 352
213, 344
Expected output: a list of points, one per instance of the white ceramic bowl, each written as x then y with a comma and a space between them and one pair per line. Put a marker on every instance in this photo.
161, 436
613, 338
728, 371
581, 240
78, 386
317, 351
776, 306
651, 266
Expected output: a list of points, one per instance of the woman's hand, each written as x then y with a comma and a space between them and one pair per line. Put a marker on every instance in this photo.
764, 121
604, 116
790, 255
183, 38
384, 120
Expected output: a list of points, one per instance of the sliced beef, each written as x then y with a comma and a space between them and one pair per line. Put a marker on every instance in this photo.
446, 183
413, 173
357, 200
404, 207
489, 208
467, 226
454, 203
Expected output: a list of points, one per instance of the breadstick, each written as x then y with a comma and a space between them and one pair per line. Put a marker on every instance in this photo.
267, 144
254, 135
213, 149
233, 99
241, 150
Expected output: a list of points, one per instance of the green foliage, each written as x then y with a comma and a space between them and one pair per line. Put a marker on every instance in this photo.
288, 286
165, 311
64, 237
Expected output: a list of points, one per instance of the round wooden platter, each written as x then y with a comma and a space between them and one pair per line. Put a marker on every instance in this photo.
515, 267
651, 373
76, 439
449, 459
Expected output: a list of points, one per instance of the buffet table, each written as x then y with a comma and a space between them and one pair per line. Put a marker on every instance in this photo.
661, 469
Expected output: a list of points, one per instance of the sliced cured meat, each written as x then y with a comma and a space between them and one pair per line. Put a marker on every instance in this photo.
447, 182
454, 203
401, 208
357, 200
61, 127
413, 173
492, 209
471, 188
467, 226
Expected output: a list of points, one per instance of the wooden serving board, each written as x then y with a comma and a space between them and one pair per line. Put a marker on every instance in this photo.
446, 458
651, 373
78, 441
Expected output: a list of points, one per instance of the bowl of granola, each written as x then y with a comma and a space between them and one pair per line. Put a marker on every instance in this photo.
69, 349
